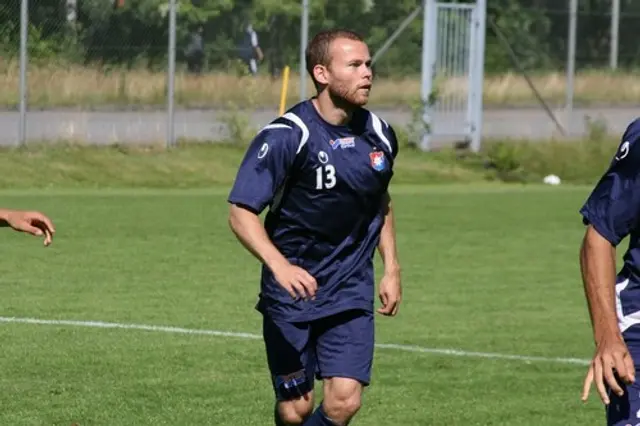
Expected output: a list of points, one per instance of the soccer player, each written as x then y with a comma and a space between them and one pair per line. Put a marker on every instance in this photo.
323, 168
612, 212
34, 223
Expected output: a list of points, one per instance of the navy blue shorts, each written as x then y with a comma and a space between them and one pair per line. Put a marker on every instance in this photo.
624, 410
341, 345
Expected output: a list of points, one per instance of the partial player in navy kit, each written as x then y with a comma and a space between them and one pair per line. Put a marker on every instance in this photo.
611, 213
323, 169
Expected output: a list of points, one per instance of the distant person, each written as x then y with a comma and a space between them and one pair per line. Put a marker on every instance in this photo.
195, 52
250, 50
34, 223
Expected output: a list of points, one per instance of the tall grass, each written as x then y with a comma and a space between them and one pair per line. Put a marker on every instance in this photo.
87, 87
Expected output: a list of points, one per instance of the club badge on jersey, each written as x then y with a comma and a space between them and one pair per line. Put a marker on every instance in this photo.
378, 161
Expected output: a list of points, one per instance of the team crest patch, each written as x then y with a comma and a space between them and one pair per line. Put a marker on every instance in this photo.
343, 143
378, 161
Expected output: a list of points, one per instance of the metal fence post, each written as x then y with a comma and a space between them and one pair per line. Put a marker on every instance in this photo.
429, 44
304, 39
477, 72
571, 61
171, 74
24, 23
615, 29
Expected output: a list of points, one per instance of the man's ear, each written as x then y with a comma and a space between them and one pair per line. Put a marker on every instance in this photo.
321, 74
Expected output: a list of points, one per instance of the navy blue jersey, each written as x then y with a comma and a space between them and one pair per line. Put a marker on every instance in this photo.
324, 185
613, 208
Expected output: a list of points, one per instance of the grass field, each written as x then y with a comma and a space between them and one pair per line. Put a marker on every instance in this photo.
487, 268
88, 88
188, 165
200, 165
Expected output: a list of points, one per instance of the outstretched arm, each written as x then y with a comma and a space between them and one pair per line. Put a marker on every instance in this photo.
32, 222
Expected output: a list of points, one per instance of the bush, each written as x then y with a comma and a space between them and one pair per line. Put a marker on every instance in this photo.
579, 161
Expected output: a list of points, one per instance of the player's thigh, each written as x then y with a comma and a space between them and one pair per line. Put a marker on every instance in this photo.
624, 410
291, 360
345, 346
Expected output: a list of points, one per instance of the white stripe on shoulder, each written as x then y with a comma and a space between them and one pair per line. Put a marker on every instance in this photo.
377, 126
305, 130
275, 126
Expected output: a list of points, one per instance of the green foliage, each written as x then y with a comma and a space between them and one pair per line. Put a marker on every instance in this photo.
576, 161
579, 161
137, 33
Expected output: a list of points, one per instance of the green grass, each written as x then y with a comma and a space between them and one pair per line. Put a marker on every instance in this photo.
200, 165
188, 165
489, 268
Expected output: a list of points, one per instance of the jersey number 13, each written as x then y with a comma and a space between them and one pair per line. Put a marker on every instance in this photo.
325, 176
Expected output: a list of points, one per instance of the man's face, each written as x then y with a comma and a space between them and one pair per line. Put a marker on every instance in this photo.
348, 76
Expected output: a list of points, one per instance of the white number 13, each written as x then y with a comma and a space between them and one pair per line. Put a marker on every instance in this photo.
325, 177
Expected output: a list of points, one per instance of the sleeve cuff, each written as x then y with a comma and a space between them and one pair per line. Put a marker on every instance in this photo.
254, 205
589, 219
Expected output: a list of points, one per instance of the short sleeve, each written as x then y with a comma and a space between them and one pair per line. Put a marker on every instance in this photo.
264, 167
613, 206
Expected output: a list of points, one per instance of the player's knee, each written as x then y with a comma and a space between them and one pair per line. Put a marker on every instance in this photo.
342, 399
295, 412
341, 408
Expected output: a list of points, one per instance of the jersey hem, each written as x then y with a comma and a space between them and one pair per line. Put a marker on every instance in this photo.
313, 315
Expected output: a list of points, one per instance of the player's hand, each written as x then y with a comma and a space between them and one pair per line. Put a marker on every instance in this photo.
612, 357
32, 222
297, 281
390, 294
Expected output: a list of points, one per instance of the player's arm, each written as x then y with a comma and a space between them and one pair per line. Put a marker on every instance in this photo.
390, 291
610, 213
387, 244
598, 269
262, 172
248, 228
32, 222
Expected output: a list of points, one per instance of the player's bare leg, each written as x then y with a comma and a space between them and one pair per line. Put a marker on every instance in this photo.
295, 411
342, 399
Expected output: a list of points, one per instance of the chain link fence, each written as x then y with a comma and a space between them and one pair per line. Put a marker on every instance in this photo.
97, 70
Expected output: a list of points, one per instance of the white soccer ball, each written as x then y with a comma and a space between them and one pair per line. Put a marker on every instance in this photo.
552, 180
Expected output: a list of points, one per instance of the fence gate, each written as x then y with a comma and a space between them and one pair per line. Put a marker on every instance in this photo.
453, 72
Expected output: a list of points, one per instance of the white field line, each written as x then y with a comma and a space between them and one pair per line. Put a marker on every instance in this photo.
250, 336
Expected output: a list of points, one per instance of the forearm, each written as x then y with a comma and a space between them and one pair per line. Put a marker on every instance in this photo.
251, 233
598, 267
387, 244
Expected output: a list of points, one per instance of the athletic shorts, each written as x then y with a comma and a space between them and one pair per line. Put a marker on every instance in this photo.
341, 345
624, 410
